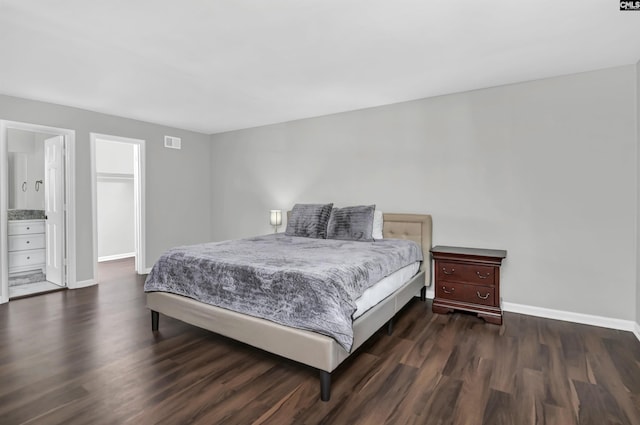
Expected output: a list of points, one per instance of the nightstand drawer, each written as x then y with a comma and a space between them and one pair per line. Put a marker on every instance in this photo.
474, 294
450, 291
481, 295
471, 273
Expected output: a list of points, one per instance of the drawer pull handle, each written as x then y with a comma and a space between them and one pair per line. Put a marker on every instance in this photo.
444, 289
444, 270
483, 276
481, 297
28, 242
28, 228
28, 258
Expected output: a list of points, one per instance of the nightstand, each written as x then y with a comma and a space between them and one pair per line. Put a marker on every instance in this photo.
468, 279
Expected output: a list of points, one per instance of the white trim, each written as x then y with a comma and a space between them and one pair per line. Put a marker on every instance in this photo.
70, 195
431, 292
146, 271
4, 204
139, 194
116, 257
139, 154
568, 316
85, 283
70, 189
94, 203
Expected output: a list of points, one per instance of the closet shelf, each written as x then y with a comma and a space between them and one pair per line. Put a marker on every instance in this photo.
114, 176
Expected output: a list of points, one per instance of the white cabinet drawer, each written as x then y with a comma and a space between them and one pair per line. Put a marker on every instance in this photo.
34, 257
22, 242
25, 227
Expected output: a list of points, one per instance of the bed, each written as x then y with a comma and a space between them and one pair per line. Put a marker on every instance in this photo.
314, 349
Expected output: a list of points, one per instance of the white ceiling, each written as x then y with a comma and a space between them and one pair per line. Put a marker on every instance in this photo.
219, 65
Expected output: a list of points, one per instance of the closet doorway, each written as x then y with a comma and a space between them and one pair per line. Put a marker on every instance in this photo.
37, 209
117, 171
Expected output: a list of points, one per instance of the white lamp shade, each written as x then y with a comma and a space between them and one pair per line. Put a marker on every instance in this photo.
275, 218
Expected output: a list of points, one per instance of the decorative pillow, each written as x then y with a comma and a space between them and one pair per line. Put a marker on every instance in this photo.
351, 223
309, 220
378, 223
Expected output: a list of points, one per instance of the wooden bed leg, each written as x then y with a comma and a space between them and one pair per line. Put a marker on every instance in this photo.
155, 318
325, 385
423, 293
390, 327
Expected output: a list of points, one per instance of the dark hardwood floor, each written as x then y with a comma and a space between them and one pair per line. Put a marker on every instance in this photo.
88, 356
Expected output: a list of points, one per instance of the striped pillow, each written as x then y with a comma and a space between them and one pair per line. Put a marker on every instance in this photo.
309, 220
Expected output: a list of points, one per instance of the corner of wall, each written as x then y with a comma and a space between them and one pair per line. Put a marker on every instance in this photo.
637, 332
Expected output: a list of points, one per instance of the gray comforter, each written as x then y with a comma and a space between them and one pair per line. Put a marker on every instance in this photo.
304, 283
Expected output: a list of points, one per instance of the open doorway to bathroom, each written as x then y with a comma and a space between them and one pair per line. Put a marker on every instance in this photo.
118, 201
34, 183
36, 207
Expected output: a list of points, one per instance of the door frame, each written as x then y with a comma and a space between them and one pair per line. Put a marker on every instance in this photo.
69, 223
138, 196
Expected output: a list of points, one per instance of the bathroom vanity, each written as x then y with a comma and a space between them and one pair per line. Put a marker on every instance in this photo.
26, 245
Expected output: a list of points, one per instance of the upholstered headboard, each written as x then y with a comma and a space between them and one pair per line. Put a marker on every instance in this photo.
415, 227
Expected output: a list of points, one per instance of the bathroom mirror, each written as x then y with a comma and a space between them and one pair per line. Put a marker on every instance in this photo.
26, 170
18, 180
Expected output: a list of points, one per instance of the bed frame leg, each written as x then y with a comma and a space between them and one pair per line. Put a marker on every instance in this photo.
325, 385
423, 293
390, 327
155, 318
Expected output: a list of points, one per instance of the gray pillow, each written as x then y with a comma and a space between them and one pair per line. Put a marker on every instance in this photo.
309, 220
351, 223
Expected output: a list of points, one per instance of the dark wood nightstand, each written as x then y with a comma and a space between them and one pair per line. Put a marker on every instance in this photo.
468, 279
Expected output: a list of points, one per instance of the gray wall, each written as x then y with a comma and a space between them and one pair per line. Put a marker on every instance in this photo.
545, 169
178, 188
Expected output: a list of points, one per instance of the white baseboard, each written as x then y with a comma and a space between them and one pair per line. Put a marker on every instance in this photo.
116, 257
568, 316
83, 283
431, 292
147, 270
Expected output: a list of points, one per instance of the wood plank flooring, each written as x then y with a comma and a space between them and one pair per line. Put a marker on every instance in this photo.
88, 356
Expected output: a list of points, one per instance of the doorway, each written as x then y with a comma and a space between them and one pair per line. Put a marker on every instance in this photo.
117, 177
37, 209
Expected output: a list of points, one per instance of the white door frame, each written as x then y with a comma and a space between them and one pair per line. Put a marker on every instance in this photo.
69, 274
139, 196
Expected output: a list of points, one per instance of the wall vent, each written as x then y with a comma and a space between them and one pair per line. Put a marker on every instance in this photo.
172, 142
